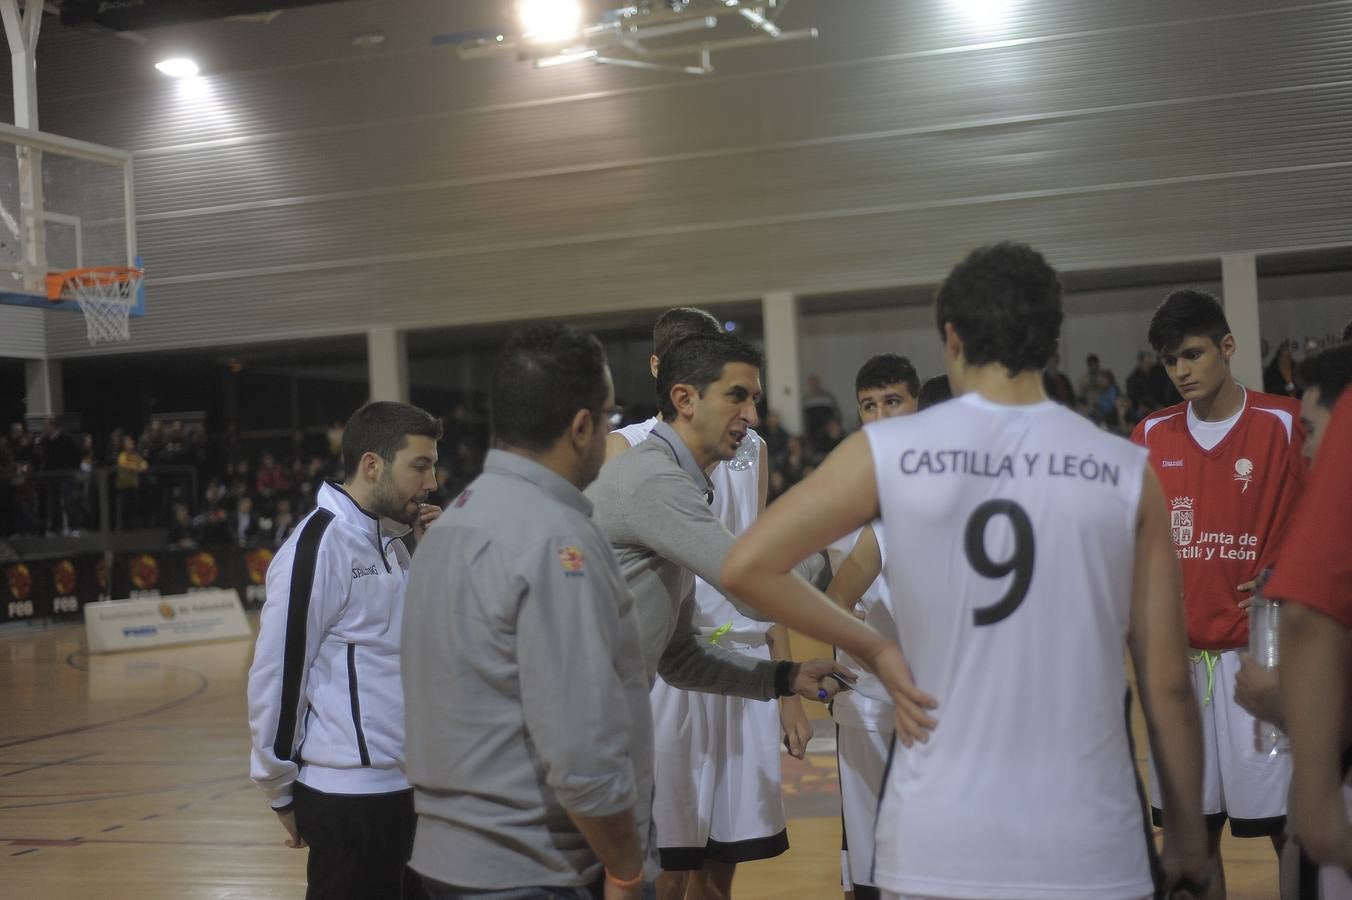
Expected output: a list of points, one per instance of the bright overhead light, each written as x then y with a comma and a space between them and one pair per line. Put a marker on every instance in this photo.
546, 62
549, 21
178, 67
985, 13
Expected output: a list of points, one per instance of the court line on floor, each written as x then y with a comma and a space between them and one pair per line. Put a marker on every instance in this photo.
203, 683
79, 761
68, 799
36, 843
47, 765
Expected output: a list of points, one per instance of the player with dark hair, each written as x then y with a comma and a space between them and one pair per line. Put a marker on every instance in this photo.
1313, 579
664, 506
325, 673
886, 385
529, 740
718, 800
1026, 785
672, 327
1230, 462
934, 391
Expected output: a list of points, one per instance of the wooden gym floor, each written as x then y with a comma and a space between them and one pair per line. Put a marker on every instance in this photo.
126, 776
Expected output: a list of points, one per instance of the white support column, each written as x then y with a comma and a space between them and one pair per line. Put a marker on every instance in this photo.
387, 363
45, 394
1239, 287
22, 29
783, 378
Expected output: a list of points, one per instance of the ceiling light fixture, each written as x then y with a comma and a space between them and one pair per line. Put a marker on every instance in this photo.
546, 62
177, 67
549, 21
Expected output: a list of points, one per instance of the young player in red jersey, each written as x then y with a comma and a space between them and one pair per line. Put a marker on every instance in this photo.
1229, 460
1313, 579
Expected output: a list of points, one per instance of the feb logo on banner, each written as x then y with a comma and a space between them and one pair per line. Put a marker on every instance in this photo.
144, 572
66, 588
19, 579
64, 579
203, 570
257, 562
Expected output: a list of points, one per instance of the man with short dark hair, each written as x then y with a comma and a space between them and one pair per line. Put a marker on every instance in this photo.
1313, 579
325, 673
935, 391
717, 767
653, 505
1015, 567
886, 385
1230, 462
529, 740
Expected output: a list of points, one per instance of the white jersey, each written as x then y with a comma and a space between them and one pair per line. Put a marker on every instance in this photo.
1010, 548
867, 705
736, 504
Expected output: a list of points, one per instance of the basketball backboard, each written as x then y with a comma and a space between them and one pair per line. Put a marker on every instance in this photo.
64, 204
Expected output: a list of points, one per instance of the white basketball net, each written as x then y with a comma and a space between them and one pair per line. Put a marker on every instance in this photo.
106, 301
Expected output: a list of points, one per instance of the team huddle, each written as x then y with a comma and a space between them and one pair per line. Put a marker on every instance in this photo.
580, 683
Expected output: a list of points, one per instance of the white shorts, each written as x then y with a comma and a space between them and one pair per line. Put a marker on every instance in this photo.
862, 757
1303, 880
716, 773
1238, 783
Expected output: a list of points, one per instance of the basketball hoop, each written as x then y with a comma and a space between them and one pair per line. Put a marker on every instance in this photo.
106, 295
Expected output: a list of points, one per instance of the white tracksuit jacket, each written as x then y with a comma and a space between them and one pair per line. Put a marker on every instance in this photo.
326, 706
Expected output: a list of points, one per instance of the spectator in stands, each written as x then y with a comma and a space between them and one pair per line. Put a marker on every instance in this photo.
1056, 383
1280, 375
1097, 393
216, 513
819, 407
776, 439
7, 475
87, 497
114, 445
334, 437
1143, 389
58, 459
183, 532
152, 441
778, 485
271, 481
832, 433
246, 524
295, 454
131, 465
175, 449
795, 461
283, 522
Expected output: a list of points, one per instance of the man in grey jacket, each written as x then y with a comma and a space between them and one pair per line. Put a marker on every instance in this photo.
652, 504
529, 735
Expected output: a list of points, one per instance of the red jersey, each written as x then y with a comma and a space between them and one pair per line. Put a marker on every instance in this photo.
1315, 565
1228, 506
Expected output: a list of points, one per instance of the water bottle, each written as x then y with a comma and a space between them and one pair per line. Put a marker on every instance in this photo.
747, 454
1264, 625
